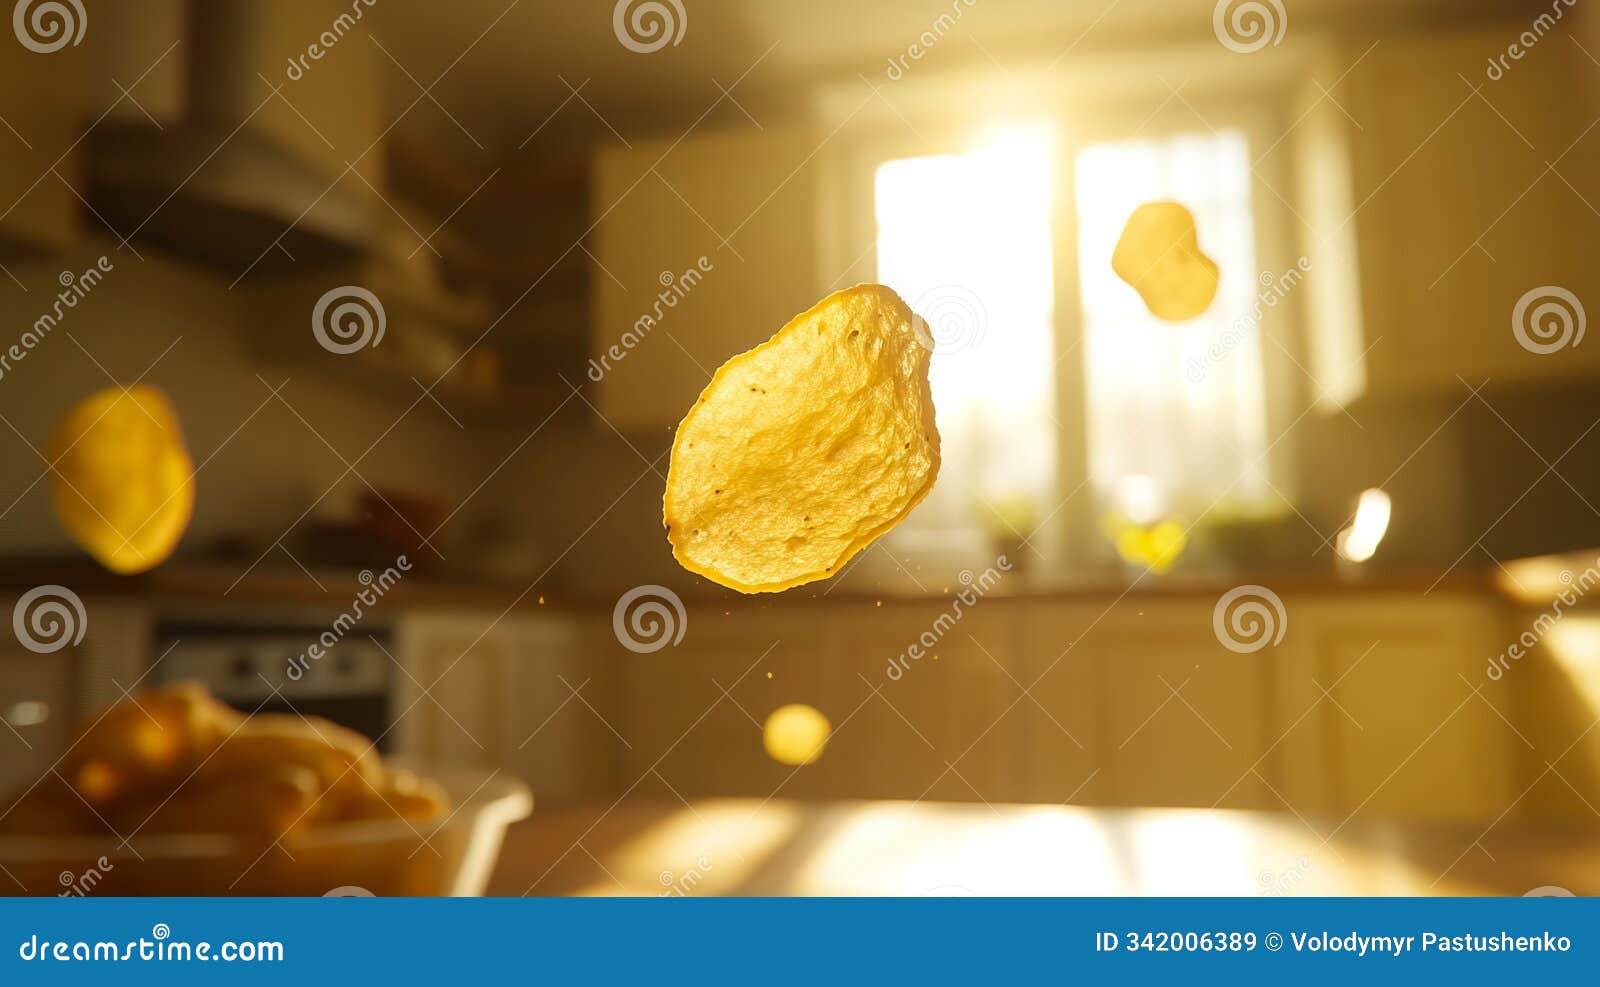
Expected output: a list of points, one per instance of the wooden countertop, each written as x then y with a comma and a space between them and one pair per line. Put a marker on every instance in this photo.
778, 847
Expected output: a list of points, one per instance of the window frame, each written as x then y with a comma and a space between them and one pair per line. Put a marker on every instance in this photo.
902, 125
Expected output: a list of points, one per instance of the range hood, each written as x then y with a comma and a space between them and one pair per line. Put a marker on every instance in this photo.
242, 179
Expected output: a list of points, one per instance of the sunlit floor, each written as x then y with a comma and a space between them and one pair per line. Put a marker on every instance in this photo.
746, 846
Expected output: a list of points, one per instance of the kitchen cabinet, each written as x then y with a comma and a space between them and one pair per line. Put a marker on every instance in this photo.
48, 694
1471, 186
707, 246
41, 157
683, 735
1365, 708
36, 704
515, 693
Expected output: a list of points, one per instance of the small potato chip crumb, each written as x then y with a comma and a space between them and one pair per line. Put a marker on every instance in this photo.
804, 450
1159, 255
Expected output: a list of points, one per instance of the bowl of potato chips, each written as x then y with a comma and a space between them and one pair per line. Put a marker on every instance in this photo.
171, 792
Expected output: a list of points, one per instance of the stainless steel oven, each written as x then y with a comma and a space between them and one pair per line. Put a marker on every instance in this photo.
271, 668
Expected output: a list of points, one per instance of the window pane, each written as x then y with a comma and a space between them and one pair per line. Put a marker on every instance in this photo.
1158, 406
965, 239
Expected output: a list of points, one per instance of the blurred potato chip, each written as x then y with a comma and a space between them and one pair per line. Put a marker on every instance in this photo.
802, 451
796, 734
123, 486
400, 793
342, 761
144, 742
1159, 255
271, 803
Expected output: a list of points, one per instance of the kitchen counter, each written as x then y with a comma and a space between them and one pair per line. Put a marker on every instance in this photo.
265, 585
779, 847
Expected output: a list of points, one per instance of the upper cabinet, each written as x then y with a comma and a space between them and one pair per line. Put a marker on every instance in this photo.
41, 148
708, 245
1475, 206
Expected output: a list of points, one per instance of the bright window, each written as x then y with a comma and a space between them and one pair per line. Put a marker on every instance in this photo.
965, 239
1182, 405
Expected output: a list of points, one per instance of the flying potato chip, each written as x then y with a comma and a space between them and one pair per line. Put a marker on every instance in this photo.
802, 451
796, 734
1159, 255
124, 487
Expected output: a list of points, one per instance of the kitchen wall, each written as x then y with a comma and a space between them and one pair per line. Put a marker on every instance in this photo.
259, 463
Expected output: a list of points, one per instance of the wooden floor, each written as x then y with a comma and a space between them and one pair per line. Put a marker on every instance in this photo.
749, 847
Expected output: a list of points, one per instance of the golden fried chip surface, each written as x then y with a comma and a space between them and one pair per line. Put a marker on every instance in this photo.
802, 451
1159, 255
